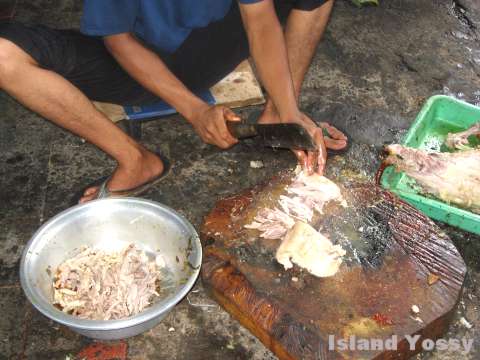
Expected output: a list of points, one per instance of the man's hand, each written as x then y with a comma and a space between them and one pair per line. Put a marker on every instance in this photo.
311, 161
210, 124
315, 161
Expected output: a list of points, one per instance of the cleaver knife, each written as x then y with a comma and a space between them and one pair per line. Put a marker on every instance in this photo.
285, 136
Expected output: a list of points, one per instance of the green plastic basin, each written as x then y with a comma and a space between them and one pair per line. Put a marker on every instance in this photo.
439, 116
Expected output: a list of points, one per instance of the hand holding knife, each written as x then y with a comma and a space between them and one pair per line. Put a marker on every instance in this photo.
309, 143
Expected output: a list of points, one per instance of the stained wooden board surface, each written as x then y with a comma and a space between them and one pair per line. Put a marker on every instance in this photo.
396, 258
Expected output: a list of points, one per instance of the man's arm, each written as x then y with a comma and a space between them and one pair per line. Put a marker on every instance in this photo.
149, 70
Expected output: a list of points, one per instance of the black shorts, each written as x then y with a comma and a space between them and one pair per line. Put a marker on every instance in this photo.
205, 57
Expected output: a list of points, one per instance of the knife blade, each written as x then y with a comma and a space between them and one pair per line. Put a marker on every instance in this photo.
285, 135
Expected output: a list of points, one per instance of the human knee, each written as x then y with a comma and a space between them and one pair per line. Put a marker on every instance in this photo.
10, 58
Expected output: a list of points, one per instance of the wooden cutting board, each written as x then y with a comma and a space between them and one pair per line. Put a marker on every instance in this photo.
396, 258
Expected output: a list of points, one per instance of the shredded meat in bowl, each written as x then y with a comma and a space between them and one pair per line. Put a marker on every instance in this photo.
104, 286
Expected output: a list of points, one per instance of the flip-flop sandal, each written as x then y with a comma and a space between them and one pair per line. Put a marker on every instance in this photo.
104, 192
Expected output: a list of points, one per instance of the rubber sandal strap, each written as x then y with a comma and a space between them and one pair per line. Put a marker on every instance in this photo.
103, 191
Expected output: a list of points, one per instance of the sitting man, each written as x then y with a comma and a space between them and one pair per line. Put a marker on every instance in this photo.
133, 52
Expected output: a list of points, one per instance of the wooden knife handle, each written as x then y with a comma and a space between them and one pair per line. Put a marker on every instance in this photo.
241, 130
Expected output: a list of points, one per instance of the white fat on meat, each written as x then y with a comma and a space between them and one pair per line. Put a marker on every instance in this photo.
305, 195
102, 286
309, 249
316, 188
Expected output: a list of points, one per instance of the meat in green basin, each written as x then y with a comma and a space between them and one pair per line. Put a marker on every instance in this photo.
451, 177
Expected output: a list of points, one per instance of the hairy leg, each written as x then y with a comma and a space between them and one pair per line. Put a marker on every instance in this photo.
303, 32
56, 99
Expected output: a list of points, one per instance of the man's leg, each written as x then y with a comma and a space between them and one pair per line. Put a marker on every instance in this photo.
304, 29
303, 32
56, 99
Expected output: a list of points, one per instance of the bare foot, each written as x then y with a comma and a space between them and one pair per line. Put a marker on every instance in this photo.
138, 170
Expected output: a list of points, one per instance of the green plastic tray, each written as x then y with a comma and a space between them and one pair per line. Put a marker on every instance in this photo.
439, 116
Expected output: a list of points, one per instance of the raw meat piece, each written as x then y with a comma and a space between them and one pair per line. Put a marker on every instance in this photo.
310, 250
451, 177
315, 190
306, 194
102, 286
460, 140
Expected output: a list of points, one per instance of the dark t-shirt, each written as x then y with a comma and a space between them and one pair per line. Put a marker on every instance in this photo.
163, 24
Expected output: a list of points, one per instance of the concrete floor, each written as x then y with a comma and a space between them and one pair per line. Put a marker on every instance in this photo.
370, 77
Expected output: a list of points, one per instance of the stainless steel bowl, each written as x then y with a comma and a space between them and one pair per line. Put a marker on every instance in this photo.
111, 224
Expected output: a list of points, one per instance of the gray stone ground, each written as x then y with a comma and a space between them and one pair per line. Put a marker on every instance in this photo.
371, 74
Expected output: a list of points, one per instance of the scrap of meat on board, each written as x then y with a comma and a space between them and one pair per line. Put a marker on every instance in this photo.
310, 250
304, 196
301, 243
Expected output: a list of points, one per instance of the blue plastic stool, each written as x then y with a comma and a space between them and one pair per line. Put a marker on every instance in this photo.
135, 114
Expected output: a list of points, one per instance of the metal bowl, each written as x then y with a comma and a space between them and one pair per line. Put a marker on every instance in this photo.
111, 224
